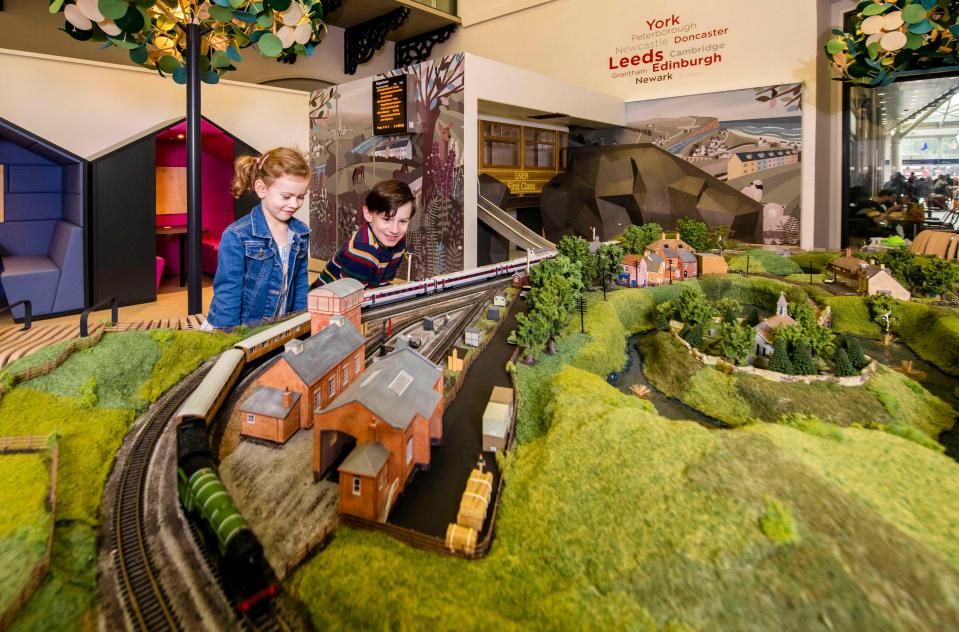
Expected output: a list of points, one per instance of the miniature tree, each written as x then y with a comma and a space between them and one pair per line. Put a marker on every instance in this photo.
802, 359
636, 238
843, 367
576, 249
939, 276
728, 309
609, 258
737, 342
820, 340
854, 353
693, 232
531, 334
802, 314
563, 275
780, 361
693, 306
662, 322
693, 334
720, 237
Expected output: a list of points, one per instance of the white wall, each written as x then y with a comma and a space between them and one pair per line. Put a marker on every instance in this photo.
573, 41
490, 80
27, 25
87, 107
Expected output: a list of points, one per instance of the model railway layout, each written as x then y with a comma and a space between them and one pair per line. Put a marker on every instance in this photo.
248, 581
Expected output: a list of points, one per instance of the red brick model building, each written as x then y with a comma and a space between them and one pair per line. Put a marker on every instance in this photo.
270, 414
325, 364
680, 258
397, 405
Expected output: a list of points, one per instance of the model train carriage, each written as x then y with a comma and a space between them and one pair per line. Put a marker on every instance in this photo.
274, 337
209, 395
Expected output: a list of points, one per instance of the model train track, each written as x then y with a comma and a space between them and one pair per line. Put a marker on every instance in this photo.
450, 296
438, 355
144, 596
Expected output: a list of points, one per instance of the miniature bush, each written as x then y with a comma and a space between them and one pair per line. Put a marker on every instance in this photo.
693, 334
780, 361
777, 523
764, 261
854, 352
694, 232
87, 394
843, 367
802, 359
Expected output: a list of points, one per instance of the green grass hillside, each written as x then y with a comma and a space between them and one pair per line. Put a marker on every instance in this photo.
764, 261
614, 517
24, 519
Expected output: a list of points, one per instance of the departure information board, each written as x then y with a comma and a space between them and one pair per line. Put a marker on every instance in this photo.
389, 106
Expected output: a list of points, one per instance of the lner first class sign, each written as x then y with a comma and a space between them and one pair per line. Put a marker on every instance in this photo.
389, 105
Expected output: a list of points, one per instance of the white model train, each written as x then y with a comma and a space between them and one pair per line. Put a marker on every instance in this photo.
392, 293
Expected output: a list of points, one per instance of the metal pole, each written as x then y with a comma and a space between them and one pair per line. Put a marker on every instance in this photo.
194, 211
747, 265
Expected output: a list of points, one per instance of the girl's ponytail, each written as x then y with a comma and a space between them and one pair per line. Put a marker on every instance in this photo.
273, 164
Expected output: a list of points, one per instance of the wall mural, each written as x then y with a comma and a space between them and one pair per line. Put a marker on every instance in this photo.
751, 139
348, 160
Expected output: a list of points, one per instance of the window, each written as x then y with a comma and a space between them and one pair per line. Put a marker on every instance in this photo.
250, 418
316, 398
540, 148
356, 485
500, 144
346, 375
409, 450
356, 365
331, 387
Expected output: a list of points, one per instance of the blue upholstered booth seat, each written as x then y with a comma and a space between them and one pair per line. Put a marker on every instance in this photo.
53, 282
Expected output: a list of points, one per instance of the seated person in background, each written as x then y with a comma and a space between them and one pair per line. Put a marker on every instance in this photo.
870, 217
373, 254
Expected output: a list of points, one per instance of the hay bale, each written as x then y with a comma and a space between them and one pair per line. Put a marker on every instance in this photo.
475, 500
460, 539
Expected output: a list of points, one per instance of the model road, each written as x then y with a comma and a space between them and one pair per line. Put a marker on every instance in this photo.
432, 500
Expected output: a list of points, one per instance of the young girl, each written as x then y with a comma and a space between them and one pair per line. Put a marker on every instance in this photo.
262, 259
374, 253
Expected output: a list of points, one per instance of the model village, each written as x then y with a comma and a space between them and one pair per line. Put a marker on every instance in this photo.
465, 315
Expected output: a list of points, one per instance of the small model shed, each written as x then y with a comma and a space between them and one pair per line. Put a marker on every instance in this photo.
711, 264
472, 336
492, 314
270, 414
497, 419
499, 300
363, 476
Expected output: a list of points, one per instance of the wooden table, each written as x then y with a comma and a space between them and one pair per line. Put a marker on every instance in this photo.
180, 232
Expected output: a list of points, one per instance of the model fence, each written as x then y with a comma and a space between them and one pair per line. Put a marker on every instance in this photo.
37, 370
10, 445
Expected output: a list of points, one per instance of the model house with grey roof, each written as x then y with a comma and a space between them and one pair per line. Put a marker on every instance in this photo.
679, 256
397, 403
320, 367
270, 414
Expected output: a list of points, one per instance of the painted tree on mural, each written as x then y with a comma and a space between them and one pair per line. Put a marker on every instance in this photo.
790, 93
437, 240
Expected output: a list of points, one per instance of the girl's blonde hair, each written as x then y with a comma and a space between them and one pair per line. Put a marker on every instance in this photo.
273, 164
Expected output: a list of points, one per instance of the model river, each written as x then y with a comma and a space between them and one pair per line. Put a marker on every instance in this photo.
935, 381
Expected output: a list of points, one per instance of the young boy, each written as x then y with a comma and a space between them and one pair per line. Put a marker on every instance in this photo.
373, 254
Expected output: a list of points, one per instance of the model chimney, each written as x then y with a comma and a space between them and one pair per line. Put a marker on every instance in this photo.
287, 398
662, 235
294, 346
848, 251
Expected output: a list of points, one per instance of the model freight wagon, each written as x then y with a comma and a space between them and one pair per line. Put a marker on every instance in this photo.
497, 419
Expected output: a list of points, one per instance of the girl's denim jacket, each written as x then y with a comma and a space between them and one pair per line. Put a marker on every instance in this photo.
248, 281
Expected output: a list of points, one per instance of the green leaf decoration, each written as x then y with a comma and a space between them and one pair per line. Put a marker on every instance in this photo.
873, 52
179, 75
265, 19
132, 21
233, 53
929, 4
55, 6
123, 43
874, 9
277, 5
236, 4
243, 16
139, 55
835, 46
954, 29
210, 77
270, 45
221, 14
222, 3
113, 9
221, 59
169, 64
921, 28
914, 40
913, 14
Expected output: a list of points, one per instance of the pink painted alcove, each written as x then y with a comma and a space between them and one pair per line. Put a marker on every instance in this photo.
216, 160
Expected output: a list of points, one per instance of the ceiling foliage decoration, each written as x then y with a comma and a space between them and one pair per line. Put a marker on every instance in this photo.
153, 30
887, 38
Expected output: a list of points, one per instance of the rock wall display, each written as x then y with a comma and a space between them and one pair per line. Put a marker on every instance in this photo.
610, 187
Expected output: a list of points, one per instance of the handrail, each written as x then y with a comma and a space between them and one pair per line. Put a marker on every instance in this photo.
27, 311
518, 230
114, 310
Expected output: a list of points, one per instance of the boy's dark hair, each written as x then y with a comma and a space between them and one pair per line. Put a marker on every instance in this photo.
389, 195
